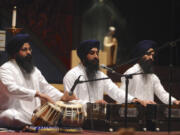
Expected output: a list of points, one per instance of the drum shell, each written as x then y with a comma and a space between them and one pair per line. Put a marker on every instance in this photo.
72, 114
47, 115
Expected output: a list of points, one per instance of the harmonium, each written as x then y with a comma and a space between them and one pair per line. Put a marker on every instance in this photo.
158, 119
96, 117
110, 117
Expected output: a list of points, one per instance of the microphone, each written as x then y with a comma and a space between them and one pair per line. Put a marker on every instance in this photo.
107, 68
74, 85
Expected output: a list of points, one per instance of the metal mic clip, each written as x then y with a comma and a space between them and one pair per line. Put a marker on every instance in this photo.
73, 87
107, 68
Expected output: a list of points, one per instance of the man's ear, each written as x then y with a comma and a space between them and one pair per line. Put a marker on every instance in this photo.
83, 60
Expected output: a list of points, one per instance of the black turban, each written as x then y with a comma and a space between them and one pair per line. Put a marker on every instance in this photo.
143, 46
14, 45
86, 46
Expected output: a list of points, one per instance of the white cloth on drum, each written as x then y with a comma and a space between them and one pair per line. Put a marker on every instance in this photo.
91, 92
145, 87
17, 91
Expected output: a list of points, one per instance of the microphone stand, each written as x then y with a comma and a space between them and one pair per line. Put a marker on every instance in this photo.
74, 85
126, 97
77, 81
170, 88
98, 79
127, 77
171, 45
156, 50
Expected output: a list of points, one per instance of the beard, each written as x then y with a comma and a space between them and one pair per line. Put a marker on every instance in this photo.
25, 63
147, 66
92, 66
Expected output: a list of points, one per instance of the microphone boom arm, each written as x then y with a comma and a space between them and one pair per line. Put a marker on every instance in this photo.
74, 85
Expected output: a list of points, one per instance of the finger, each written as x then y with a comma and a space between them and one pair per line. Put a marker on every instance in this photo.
151, 102
177, 102
105, 102
53, 102
144, 104
50, 100
66, 93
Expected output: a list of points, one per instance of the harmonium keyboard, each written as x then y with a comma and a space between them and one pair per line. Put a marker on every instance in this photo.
110, 117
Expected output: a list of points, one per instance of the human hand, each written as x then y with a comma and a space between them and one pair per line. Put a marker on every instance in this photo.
44, 98
66, 97
177, 102
143, 102
101, 101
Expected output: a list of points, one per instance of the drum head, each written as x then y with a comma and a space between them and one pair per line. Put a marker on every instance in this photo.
68, 104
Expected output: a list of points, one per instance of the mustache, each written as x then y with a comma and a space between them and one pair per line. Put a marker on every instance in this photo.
28, 57
95, 60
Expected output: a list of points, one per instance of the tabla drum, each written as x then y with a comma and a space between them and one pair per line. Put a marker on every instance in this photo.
72, 114
48, 115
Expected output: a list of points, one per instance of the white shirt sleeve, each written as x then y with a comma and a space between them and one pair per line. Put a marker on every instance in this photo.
48, 89
160, 92
7, 79
116, 93
68, 82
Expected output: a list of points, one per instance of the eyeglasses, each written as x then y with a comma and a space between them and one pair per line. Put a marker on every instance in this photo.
26, 49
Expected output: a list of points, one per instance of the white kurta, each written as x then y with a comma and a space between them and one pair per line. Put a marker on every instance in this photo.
87, 92
145, 87
17, 95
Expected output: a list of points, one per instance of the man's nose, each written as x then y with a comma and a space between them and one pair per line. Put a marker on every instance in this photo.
96, 55
151, 57
28, 51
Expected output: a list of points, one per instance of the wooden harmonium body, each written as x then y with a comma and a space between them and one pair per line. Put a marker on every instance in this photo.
157, 117
135, 116
110, 117
152, 118
96, 117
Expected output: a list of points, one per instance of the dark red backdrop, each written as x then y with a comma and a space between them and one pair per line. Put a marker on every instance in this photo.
52, 22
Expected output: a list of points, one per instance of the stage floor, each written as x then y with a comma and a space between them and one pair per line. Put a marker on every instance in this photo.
90, 133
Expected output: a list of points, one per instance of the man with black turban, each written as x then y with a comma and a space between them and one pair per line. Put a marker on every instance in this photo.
147, 85
88, 69
22, 86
